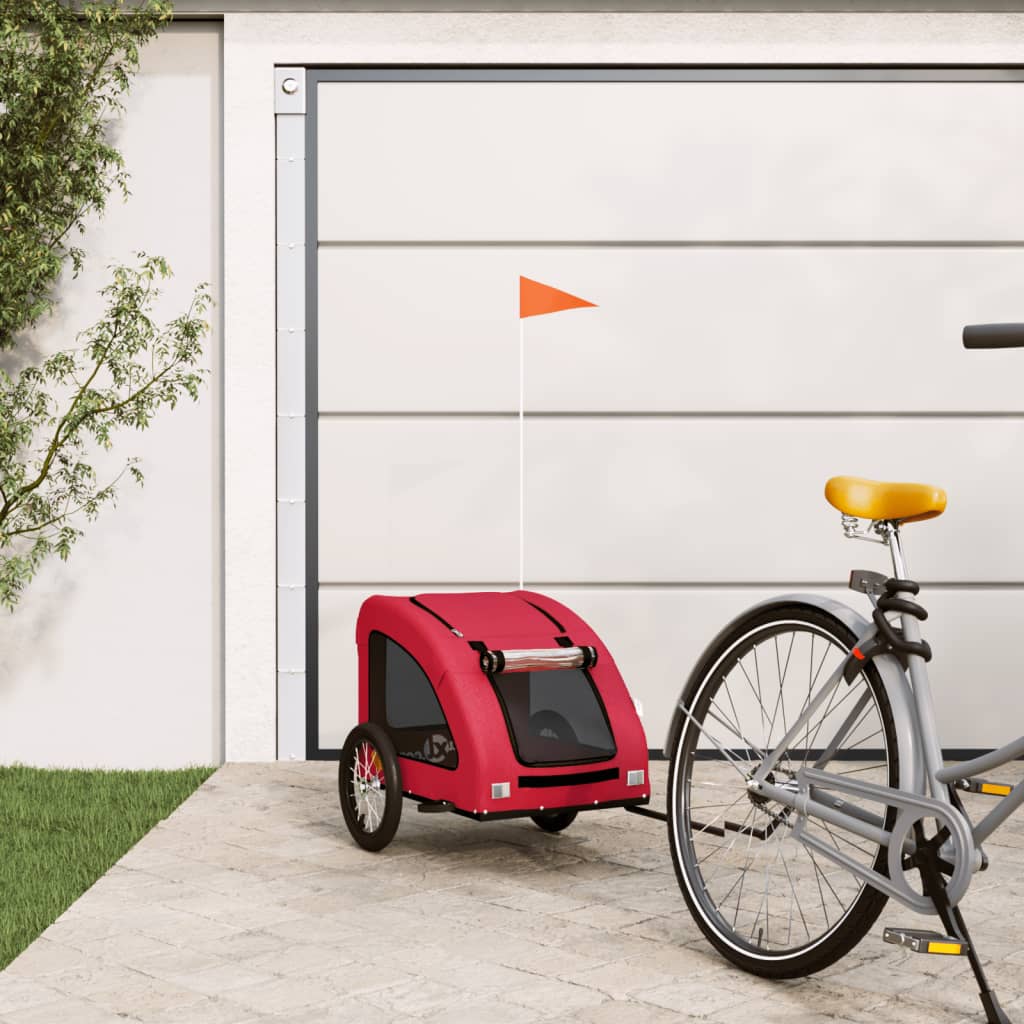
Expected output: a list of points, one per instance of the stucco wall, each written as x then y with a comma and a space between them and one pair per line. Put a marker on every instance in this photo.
114, 658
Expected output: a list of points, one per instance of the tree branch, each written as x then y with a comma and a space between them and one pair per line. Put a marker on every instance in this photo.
55, 443
67, 513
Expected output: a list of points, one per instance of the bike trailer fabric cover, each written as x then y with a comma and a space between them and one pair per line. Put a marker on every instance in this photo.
500, 704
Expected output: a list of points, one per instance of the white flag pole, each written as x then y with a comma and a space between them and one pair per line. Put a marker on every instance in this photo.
522, 456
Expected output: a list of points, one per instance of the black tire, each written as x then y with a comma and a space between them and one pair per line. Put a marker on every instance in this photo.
554, 821
693, 830
369, 767
552, 723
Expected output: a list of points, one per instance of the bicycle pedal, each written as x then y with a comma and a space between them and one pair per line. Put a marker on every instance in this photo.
918, 941
984, 786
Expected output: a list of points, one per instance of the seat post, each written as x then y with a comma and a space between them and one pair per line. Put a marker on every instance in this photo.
891, 532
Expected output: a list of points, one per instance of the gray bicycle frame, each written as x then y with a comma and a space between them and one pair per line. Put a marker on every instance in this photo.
924, 780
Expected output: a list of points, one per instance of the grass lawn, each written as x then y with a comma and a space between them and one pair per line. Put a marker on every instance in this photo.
61, 830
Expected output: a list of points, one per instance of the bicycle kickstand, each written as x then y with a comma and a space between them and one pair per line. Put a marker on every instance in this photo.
994, 1013
954, 923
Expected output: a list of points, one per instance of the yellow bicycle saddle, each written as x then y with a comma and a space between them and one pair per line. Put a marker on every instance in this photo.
870, 499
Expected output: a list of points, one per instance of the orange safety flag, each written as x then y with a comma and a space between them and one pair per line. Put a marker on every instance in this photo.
535, 299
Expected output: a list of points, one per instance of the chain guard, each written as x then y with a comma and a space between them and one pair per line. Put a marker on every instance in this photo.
910, 809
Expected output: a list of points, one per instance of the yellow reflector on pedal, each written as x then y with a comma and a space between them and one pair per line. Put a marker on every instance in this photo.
995, 789
946, 948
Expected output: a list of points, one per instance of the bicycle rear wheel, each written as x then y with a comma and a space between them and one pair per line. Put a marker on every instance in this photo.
764, 900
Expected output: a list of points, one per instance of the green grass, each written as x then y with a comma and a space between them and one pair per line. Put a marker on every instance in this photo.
61, 830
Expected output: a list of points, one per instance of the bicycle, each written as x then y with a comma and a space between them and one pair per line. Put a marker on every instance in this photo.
789, 833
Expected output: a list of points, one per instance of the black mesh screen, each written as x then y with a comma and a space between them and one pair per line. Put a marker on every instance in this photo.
555, 717
403, 701
409, 698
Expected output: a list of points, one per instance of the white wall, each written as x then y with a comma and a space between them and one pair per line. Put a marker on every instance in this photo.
114, 658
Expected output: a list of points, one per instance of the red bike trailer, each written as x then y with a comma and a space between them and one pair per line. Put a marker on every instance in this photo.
488, 705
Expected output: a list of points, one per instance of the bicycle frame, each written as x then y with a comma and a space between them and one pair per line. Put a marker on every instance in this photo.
925, 782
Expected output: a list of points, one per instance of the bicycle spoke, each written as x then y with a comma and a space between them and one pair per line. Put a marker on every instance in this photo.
795, 902
742, 871
866, 768
718, 817
779, 702
750, 747
729, 849
755, 692
728, 693
760, 697
764, 901
818, 878
810, 688
824, 878
828, 711
718, 746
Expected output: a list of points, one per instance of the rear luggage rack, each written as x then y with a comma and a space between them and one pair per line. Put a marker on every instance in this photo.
542, 660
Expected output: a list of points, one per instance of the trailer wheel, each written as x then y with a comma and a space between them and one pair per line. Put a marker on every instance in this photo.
551, 723
370, 787
554, 821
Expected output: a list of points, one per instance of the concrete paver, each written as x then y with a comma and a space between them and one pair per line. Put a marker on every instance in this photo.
251, 905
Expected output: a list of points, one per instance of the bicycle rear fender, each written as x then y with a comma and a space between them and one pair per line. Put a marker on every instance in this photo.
894, 679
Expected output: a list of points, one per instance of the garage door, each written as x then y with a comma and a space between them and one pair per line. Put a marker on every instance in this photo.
782, 262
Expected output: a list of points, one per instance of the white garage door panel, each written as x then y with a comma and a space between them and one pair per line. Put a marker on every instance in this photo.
679, 160
741, 499
656, 636
403, 499
660, 500
730, 330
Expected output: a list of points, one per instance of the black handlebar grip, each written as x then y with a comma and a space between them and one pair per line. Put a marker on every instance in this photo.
994, 336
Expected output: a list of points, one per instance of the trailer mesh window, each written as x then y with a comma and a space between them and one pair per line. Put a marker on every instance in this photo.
402, 699
555, 717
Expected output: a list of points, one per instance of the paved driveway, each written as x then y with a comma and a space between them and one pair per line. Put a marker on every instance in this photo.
251, 904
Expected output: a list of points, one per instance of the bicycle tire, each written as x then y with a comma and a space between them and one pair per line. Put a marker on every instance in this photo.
753, 952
